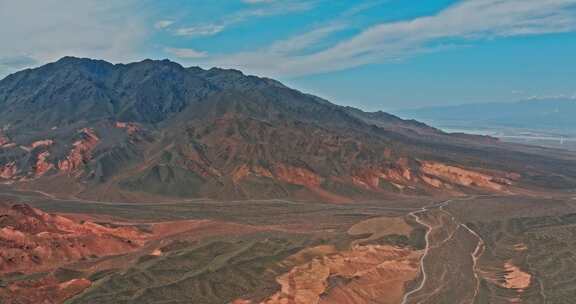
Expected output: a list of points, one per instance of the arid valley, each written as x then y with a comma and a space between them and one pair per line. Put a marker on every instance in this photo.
205, 202
287, 152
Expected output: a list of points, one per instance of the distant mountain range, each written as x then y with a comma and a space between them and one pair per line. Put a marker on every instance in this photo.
152, 130
547, 114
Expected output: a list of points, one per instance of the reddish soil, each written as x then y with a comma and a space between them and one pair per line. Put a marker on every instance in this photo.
130, 127
47, 290
32, 240
515, 278
198, 229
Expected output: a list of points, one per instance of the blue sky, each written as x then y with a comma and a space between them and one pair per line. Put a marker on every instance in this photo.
374, 54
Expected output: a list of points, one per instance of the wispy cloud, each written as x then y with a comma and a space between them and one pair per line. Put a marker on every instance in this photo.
162, 24
186, 53
301, 42
271, 9
552, 97
200, 30
468, 20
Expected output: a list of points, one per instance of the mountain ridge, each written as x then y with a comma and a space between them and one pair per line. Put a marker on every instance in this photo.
155, 129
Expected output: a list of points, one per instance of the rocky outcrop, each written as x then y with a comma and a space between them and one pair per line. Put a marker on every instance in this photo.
41, 151
81, 152
32, 240
3, 139
363, 274
438, 174
8, 171
400, 176
36, 144
42, 143
371, 178
429, 174
297, 175
42, 164
130, 127
434, 182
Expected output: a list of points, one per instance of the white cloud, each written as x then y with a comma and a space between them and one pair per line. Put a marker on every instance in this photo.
162, 24
301, 42
201, 30
552, 97
274, 8
41, 31
186, 53
468, 20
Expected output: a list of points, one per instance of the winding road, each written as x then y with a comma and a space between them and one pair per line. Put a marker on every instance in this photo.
475, 255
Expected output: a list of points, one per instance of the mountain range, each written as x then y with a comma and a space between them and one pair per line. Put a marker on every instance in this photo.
153, 130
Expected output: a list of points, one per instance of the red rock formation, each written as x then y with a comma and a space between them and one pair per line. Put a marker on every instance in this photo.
32, 240
240, 172
281, 172
8, 145
367, 178
36, 144
436, 183
81, 153
244, 170
42, 143
130, 127
42, 165
399, 174
462, 177
396, 173
363, 274
297, 176
432, 174
8, 171
45, 290
3, 139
